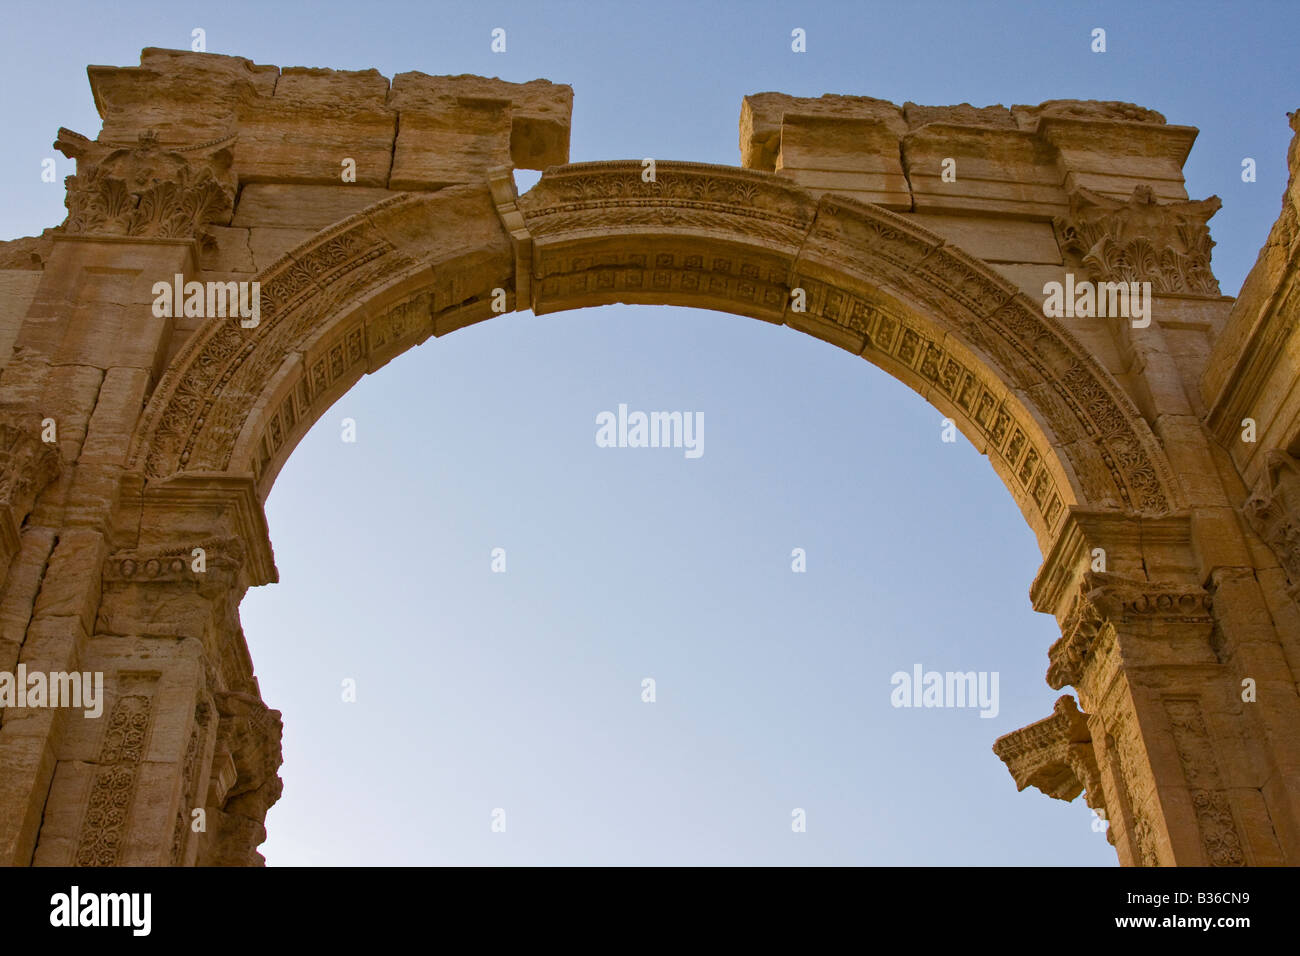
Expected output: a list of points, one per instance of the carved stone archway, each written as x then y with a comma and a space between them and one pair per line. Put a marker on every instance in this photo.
170, 430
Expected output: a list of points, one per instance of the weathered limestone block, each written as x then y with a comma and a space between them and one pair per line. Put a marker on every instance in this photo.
299, 124
1024, 161
454, 129
17, 289
1055, 755
1007, 171
998, 240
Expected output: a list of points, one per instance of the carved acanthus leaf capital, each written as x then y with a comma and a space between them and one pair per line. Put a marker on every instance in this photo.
146, 190
1142, 240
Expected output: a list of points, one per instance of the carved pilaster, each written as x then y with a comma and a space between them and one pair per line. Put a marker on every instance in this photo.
1142, 240
145, 190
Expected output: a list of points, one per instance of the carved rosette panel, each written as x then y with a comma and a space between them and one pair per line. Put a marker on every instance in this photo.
1142, 240
103, 828
1273, 511
1220, 837
1107, 601
146, 190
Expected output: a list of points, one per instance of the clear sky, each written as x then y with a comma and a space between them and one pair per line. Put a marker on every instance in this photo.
523, 690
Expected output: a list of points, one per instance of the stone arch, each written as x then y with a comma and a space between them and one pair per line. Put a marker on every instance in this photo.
1057, 428
129, 544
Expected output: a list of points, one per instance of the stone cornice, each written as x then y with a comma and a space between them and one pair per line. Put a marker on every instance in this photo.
1054, 754
211, 500
223, 558
1273, 511
1106, 599
1166, 244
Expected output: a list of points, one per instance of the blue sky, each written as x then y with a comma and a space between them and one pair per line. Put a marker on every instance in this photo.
522, 690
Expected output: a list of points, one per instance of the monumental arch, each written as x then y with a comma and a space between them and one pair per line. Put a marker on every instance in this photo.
138, 448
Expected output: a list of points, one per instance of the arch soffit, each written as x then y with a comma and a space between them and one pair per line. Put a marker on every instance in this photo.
1056, 427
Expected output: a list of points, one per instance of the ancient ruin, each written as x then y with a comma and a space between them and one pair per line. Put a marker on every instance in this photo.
1157, 462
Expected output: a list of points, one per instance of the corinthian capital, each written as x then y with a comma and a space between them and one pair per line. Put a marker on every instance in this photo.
1142, 240
146, 190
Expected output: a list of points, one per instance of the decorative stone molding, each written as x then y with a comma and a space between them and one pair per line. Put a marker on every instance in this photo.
1111, 599
223, 557
1055, 755
146, 190
1273, 511
220, 510
1142, 240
